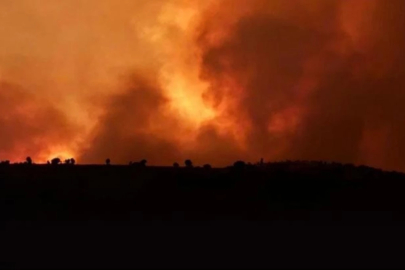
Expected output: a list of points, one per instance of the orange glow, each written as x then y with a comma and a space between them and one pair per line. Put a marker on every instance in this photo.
58, 154
213, 80
186, 100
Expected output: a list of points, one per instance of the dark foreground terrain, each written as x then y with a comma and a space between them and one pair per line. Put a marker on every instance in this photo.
300, 214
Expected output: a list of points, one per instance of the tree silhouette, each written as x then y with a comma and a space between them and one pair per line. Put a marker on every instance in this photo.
29, 160
107, 161
55, 161
188, 163
72, 161
67, 161
143, 162
176, 165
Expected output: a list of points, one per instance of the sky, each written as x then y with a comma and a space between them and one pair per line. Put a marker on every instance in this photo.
213, 81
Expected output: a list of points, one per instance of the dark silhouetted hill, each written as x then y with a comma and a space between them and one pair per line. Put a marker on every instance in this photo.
285, 190
123, 202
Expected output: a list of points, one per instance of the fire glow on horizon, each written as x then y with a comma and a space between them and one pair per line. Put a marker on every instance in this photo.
213, 81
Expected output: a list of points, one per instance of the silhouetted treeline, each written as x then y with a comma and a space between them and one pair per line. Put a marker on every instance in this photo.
297, 192
252, 191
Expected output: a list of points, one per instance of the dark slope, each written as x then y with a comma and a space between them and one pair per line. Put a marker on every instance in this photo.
86, 216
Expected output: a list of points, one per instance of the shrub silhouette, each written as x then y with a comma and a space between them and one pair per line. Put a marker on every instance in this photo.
55, 161
207, 167
239, 164
107, 161
141, 163
176, 165
28, 160
5, 162
188, 163
67, 161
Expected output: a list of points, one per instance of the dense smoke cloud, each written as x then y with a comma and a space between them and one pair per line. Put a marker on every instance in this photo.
306, 81
124, 132
30, 126
214, 81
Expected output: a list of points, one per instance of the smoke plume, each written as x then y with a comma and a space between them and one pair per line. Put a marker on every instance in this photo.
213, 81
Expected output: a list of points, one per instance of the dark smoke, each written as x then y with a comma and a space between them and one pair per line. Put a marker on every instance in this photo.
267, 55
293, 81
29, 125
123, 133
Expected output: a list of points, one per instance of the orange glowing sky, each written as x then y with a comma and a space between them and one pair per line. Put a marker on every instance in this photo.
213, 80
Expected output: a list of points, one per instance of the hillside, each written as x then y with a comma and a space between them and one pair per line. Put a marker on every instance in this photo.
75, 202
250, 192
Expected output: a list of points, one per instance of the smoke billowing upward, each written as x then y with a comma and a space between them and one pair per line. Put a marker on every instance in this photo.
214, 81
